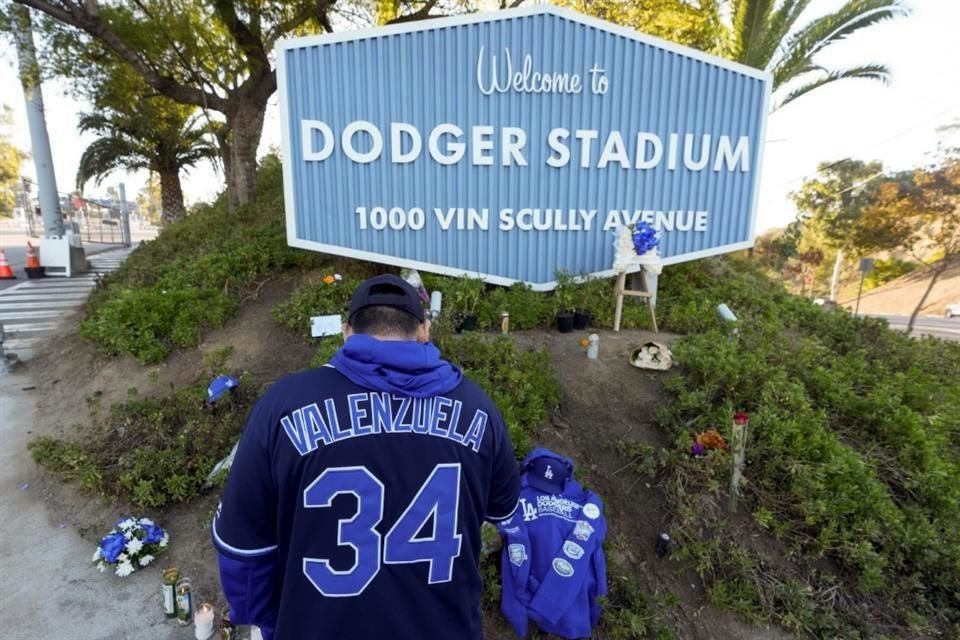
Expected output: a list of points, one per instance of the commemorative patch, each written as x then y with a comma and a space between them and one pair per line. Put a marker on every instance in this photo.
591, 510
572, 550
562, 567
583, 530
517, 553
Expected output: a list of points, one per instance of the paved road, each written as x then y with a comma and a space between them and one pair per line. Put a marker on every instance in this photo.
49, 588
14, 244
31, 309
928, 326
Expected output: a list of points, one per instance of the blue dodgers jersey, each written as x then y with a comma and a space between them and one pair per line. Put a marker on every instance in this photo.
372, 503
553, 564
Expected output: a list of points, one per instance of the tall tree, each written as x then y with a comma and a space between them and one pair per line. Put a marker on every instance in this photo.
139, 129
934, 207
213, 54
776, 36
694, 24
835, 205
149, 202
10, 158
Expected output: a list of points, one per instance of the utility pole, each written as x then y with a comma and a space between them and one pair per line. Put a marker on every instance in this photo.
39, 140
124, 216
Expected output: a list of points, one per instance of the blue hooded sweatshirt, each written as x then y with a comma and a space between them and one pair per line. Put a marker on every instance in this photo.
354, 504
553, 564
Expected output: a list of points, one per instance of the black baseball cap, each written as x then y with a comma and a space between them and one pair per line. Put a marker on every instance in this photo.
386, 291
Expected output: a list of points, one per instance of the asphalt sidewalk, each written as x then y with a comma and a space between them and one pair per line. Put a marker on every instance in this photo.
49, 588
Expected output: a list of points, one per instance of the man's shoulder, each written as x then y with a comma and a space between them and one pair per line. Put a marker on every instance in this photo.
293, 387
470, 391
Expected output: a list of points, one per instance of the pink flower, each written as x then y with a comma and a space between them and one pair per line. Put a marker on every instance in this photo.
740, 418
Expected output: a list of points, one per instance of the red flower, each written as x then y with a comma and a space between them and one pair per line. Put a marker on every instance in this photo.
740, 418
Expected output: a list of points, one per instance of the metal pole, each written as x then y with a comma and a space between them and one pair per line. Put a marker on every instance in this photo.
863, 275
124, 217
40, 141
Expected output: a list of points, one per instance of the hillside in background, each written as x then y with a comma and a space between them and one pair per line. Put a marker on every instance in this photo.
900, 296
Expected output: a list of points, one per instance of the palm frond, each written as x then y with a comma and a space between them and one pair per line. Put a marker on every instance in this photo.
868, 71
105, 155
779, 26
749, 23
799, 49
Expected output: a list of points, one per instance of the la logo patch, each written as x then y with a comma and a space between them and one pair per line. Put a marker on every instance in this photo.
548, 474
517, 553
562, 567
572, 550
529, 511
582, 530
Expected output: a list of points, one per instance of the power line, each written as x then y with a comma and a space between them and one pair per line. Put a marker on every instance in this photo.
883, 142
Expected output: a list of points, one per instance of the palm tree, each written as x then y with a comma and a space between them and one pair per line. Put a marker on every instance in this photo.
157, 135
765, 35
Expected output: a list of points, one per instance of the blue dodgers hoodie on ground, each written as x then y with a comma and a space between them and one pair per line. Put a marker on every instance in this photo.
354, 504
553, 564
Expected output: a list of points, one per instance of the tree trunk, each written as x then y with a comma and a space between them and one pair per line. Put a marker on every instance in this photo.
245, 125
835, 280
171, 197
937, 272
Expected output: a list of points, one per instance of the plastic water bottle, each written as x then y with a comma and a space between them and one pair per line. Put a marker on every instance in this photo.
593, 351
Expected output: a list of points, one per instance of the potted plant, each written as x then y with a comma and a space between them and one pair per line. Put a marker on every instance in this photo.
563, 302
581, 319
466, 297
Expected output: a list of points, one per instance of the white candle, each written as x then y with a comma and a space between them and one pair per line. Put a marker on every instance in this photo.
203, 621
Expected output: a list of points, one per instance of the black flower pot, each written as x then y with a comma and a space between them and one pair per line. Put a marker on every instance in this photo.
565, 322
469, 323
581, 319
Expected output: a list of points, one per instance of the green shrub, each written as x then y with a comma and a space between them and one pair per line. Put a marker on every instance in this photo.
194, 276
521, 383
852, 452
151, 451
886, 270
315, 298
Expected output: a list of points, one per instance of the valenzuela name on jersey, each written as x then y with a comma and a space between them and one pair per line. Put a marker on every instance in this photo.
373, 413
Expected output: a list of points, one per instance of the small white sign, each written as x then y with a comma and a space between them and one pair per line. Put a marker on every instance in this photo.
326, 326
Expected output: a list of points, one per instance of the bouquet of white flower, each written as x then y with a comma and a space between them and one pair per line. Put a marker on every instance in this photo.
131, 544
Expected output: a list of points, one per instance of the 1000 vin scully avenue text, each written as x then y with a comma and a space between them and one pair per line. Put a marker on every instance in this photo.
526, 219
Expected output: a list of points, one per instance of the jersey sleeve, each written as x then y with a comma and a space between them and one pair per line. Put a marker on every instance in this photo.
245, 525
505, 479
571, 566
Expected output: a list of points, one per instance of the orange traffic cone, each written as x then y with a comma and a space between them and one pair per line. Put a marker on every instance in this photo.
6, 273
32, 261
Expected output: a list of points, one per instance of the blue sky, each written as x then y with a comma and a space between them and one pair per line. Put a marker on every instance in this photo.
896, 124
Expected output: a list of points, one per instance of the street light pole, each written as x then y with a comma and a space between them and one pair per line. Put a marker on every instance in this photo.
39, 140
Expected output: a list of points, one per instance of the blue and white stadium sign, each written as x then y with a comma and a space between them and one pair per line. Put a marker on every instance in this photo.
513, 144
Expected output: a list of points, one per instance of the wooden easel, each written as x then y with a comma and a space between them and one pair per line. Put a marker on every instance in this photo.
621, 290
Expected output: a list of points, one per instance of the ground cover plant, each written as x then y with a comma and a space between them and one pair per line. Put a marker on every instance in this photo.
853, 460
194, 276
151, 451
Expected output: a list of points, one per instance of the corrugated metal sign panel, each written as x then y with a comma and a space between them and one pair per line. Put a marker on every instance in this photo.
510, 144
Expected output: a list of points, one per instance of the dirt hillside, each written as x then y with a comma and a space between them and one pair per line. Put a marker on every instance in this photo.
900, 296
604, 403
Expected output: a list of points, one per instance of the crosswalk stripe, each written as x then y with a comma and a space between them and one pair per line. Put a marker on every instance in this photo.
31, 294
14, 344
49, 313
36, 306
33, 308
30, 327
